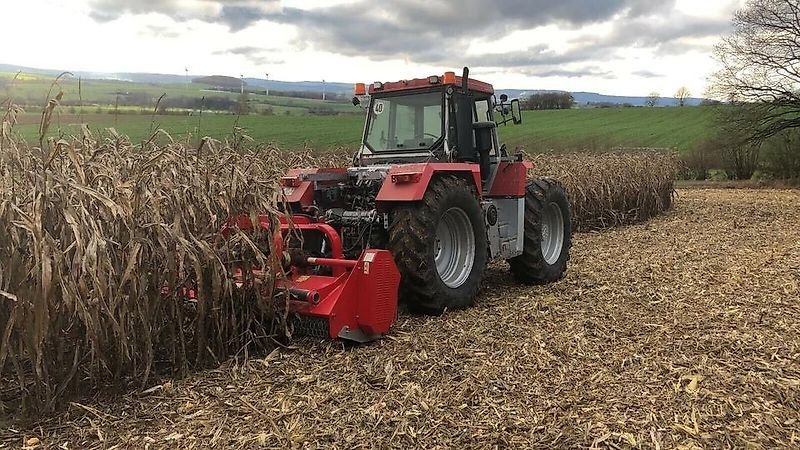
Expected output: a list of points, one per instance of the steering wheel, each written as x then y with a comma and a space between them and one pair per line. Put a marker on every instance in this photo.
431, 135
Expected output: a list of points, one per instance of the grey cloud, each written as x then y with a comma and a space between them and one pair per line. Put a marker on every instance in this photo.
680, 47
648, 7
239, 17
236, 14
645, 33
419, 29
589, 71
646, 74
428, 31
354, 30
244, 51
160, 31
440, 32
537, 56
666, 34
107, 10
256, 55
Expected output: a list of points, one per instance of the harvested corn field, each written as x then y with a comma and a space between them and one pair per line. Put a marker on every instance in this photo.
677, 332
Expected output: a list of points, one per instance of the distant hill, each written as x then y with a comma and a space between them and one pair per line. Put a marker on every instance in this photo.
148, 78
220, 81
581, 98
592, 98
302, 86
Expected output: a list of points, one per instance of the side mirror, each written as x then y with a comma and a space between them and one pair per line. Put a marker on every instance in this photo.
503, 98
516, 112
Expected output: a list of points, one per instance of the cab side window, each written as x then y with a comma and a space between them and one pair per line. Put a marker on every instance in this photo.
482, 111
482, 114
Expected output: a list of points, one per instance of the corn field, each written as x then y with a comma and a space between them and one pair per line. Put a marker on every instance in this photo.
99, 236
613, 189
97, 239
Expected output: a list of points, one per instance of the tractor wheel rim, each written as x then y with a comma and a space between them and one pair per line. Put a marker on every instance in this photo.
455, 248
552, 233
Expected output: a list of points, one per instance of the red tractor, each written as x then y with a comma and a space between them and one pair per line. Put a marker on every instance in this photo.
431, 198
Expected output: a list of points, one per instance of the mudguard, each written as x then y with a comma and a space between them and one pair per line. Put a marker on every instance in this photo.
408, 182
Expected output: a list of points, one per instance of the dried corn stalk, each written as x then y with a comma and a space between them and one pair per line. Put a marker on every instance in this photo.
612, 189
97, 239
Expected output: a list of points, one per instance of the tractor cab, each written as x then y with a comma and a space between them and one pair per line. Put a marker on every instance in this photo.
436, 119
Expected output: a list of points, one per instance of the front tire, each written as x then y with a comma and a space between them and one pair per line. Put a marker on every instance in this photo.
548, 234
440, 247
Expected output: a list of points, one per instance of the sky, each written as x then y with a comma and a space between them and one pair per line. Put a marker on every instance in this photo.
616, 47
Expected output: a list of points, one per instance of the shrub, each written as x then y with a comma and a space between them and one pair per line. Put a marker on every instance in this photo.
700, 159
780, 155
727, 150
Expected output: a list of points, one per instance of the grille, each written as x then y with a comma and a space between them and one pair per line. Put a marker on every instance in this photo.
311, 326
384, 294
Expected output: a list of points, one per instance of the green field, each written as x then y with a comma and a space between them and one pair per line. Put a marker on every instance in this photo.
317, 132
592, 129
292, 126
578, 130
32, 89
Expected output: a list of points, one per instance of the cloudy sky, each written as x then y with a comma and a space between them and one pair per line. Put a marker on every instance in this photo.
624, 47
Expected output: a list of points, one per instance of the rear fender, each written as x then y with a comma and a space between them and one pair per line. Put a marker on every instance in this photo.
408, 182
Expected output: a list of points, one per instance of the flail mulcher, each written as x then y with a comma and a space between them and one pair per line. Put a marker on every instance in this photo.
432, 197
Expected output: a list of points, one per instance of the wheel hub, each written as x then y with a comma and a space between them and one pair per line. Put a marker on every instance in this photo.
454, 251
552, 232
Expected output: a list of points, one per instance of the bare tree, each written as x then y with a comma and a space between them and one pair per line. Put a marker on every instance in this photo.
652, 99
681, 95
760, 71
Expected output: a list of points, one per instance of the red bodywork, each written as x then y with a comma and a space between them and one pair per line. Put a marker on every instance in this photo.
360, 304
298, 190
404, 182
357, 301
408, 182
510, 179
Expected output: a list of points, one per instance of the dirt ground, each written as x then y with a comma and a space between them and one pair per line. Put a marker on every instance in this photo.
683, 332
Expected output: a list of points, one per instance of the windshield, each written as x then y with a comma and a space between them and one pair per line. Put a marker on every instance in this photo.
406, 122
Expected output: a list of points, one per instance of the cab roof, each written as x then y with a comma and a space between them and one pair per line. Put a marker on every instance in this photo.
432, 81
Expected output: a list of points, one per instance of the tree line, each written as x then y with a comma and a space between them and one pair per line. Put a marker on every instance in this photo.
759, 78
549, 100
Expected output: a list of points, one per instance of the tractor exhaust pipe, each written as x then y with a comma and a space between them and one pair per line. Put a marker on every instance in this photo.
465, 79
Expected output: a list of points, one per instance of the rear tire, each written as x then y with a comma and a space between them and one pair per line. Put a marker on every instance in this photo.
548, 234
440, 247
